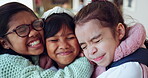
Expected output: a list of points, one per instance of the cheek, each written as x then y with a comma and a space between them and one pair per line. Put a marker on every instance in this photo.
86, 54
18, 44
17, 41
74, 43
50, 47
109, 48
107, 45
42, 35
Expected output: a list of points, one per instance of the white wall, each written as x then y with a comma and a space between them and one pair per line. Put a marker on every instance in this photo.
76, 5
28, 3
139, 12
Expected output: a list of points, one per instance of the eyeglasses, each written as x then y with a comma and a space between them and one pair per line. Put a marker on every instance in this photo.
24, 29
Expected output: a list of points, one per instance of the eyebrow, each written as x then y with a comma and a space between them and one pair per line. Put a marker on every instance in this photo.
95, 37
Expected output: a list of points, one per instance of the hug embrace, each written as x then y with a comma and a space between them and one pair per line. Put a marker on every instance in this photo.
98, 31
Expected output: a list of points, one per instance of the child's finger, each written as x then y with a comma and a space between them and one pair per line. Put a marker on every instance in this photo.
48, 64
42, 62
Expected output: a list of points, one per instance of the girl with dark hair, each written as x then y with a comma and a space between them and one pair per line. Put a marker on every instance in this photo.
61, 43
21, 36
100, 30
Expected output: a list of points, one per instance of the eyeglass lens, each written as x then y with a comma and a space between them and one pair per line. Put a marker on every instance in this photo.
38, 25
24, 30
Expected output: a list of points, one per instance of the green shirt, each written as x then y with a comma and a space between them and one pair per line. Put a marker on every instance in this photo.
12, 66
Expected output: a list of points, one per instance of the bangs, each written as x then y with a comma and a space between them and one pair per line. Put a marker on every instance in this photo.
55, 22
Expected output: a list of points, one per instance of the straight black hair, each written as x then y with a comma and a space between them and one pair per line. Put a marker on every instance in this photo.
55, 22
6, 12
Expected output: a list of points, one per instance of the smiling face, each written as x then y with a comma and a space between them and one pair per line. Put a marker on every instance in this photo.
29, 45
63, 47
97, 42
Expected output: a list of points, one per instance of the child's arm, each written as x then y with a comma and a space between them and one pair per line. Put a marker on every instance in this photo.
80, 68
19, 67
135, 39
45, 61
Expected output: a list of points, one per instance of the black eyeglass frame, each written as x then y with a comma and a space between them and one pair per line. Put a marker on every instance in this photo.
30, 27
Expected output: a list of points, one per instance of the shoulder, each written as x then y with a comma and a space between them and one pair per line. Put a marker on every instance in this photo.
126, 70
13, 60
8, 55
11, 57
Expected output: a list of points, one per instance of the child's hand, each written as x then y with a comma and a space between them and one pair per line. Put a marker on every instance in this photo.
81, 54
45, 61
91, 62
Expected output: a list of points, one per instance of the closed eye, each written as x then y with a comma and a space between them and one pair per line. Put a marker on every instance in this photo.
53, 40
70, 37
83, 46
97, 41
97, 38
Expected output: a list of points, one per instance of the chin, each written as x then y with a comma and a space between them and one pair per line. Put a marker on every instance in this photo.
37, 53
102, 63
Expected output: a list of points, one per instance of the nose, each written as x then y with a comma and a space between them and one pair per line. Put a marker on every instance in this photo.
64, 45
92, 50
33, 33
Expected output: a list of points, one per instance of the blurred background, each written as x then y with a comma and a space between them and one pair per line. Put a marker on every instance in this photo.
131, 9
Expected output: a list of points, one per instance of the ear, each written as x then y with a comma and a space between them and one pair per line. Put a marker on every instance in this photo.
4, 43
120, 31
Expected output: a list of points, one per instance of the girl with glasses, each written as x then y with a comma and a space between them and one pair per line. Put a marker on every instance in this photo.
21, 38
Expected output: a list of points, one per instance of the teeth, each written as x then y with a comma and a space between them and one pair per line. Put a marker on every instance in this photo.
34, 43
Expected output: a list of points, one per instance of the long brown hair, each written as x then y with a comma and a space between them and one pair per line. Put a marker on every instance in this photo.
106, 12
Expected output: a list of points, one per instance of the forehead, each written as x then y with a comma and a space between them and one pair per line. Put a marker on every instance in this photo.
65, 30
90, 29
19, 18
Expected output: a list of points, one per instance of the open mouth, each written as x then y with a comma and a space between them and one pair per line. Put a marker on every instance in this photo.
35, 43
